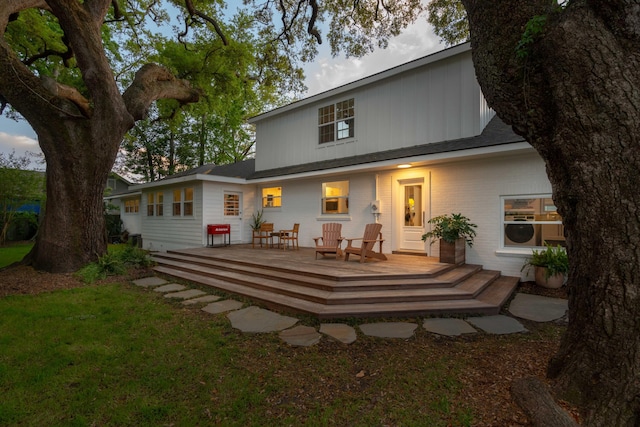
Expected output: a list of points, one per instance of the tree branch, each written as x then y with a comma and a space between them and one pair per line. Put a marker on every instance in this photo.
11, 7
69, 93
153, 82
194, 12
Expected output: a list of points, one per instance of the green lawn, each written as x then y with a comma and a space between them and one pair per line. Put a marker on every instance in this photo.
105, 356
13, 253
118, 355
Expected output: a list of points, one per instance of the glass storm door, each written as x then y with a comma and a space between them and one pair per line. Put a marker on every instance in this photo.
412, 195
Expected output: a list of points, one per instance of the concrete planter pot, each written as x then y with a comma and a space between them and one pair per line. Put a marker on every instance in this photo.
553, 282
453, 253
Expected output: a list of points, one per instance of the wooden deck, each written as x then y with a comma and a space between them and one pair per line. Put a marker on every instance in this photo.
293, 280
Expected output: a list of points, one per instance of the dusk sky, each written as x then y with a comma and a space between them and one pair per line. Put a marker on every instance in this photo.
323, 74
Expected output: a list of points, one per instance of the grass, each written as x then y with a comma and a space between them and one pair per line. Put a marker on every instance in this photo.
105, 356
13, 253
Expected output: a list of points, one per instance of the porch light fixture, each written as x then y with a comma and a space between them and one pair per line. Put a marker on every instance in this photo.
404, 166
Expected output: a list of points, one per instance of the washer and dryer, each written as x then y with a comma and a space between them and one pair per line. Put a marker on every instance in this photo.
523, 233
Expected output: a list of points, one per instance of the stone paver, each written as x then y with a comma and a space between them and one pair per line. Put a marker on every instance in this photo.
172, 287
449, 327
500, 325
148, 282
341, 332
222, 306
189, 293
301, 336
389, 329
201, 300
254, 319
538, 308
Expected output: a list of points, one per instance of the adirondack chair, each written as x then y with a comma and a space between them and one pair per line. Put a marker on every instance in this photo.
330, 241
263, 233
365, 250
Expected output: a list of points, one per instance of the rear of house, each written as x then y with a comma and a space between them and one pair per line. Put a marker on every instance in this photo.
397, 148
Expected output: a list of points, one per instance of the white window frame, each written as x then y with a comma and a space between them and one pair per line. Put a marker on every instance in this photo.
182, 206
271, 197
132, 206
333, 200
336, 121
543, 214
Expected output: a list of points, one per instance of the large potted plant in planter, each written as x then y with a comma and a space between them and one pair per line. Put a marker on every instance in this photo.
454, 232
550, 266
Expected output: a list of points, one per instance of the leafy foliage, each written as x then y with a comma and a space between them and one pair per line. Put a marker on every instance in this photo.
451, 228
554, 259
449, 20
116, 261
17, 187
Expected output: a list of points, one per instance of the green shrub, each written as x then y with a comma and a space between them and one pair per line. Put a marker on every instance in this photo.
116, 261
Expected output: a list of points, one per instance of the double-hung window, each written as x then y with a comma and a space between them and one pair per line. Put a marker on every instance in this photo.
531, 221
159, 204
132, 206
336, 121
335, 197
183, 202
151, 204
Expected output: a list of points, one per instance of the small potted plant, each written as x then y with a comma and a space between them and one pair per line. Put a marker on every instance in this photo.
256, 220
550, 266
454, 231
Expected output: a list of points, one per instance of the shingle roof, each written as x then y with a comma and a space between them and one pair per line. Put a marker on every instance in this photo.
495, 133
241, 169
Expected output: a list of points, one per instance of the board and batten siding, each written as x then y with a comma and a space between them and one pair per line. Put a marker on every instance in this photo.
435, 102
168, 232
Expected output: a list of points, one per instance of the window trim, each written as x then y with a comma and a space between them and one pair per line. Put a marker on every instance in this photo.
330, 118
337, 208
276, 198
503, 248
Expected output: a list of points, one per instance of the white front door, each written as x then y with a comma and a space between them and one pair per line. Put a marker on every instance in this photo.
233, 214
412, 200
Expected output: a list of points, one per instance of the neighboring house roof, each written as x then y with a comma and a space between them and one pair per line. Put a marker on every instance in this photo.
495, 133
241, 169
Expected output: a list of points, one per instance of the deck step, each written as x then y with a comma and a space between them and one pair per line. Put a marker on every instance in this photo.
466, 289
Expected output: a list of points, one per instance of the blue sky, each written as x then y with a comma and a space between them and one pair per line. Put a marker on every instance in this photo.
324, 73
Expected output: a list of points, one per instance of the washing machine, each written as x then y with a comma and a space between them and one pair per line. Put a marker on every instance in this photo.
521, 231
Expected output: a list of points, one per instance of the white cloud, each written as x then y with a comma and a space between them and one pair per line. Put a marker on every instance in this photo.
22, 146
416, 41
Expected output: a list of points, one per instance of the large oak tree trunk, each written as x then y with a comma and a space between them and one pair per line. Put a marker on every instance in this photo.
79, 128
575, 96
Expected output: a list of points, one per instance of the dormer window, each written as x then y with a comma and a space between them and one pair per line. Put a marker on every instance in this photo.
336, 121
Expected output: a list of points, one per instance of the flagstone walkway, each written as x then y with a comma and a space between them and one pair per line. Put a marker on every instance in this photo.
257, 320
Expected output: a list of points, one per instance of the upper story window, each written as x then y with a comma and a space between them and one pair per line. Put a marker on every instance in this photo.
336, 121
183, 202
272, 197
132, 206
335, 197
531, 221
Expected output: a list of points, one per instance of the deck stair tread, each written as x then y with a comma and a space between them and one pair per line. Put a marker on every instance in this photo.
392, 281
340, 311
327, 297
304, 287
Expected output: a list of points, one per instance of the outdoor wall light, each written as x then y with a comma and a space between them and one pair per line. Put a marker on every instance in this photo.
404, 166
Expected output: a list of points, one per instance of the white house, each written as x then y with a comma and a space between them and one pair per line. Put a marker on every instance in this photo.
398, 147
